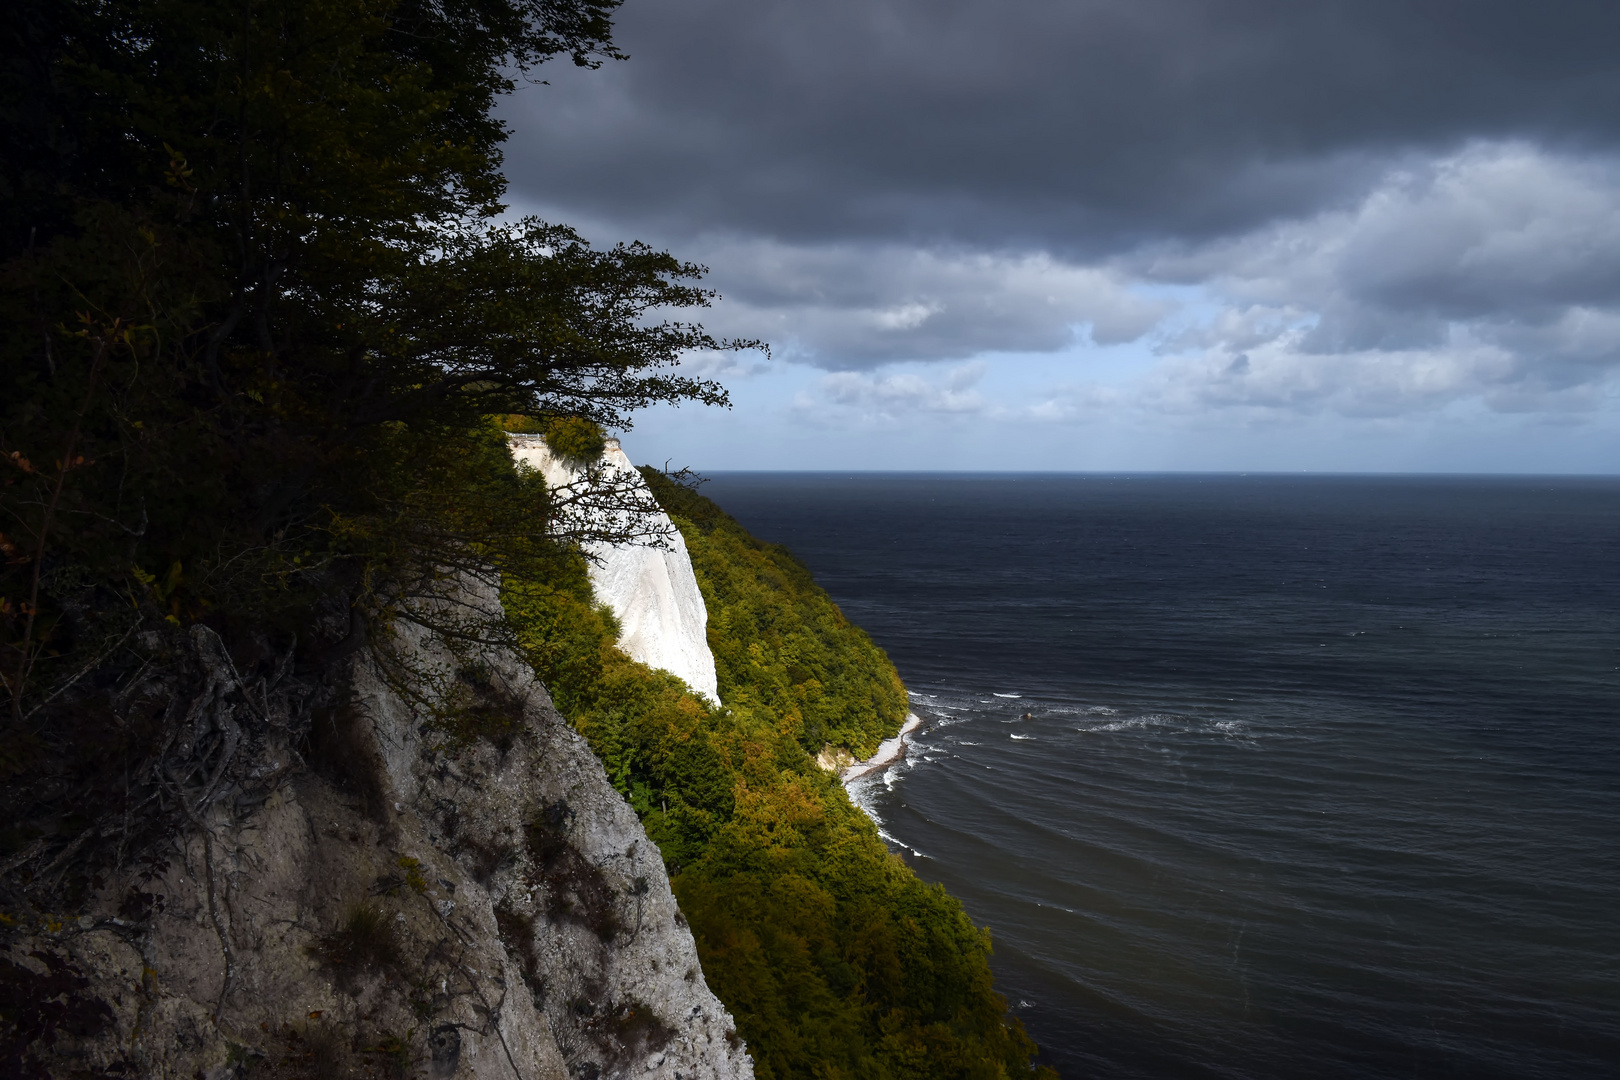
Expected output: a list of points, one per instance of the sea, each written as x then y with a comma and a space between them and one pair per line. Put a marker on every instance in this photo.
1259, 776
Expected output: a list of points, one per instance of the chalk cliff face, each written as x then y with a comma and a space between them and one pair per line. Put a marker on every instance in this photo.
454, 890
651, 591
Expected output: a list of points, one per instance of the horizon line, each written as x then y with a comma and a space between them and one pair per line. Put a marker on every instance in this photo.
1453, 474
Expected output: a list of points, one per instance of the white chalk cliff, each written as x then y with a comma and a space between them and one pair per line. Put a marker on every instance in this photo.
650, 590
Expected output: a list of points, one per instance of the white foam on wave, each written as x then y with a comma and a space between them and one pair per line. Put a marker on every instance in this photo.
863, 791
886, 835
1177, 724
1081, 710
880, 772
1018, 736
1146, 720
1007, 695
860, 793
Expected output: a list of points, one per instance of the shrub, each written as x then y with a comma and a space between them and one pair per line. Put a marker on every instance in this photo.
575, 440
363, 941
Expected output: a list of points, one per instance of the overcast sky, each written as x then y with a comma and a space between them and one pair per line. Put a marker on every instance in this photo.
1118, 234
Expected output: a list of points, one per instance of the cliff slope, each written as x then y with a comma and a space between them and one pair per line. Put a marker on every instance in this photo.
459, 892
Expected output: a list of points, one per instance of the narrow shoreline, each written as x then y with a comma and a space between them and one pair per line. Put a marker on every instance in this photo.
888, 752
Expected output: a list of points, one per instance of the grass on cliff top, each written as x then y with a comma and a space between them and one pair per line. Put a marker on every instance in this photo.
834, 958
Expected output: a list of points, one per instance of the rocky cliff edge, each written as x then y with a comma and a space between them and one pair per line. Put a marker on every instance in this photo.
451, 889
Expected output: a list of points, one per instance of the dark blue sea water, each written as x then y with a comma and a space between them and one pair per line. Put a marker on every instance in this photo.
1320, 776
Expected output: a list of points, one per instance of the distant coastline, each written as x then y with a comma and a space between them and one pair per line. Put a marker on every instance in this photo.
888, 752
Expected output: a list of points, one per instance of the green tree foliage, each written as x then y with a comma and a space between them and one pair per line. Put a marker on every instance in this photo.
835, 959
255, 306
780, 644
575, 439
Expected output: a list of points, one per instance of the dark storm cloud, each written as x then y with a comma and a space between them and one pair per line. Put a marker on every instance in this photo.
1374, 208
1493, 274
1080, 128
859, 305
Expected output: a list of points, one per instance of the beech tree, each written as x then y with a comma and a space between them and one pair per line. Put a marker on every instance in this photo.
258, 303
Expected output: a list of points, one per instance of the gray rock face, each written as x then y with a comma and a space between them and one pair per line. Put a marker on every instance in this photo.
458, 891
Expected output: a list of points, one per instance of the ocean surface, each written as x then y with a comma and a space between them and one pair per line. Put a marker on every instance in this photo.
1254, 776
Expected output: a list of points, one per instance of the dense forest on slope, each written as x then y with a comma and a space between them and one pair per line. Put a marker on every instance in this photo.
780, 644
835, 959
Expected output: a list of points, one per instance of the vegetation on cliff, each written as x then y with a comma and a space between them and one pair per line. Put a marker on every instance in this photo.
835, 959
256, 302
257, 306
781, 646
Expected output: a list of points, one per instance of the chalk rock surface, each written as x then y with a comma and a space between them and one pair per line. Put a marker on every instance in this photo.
650, 590
451, 889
